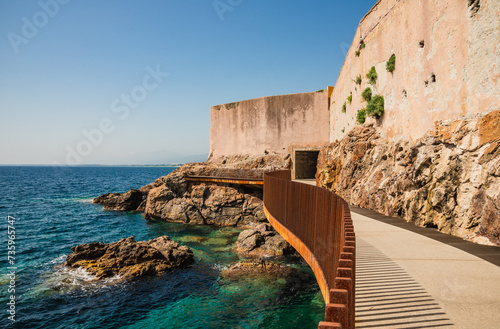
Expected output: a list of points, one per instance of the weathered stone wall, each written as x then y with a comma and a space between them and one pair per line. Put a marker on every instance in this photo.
447, 64
269, 125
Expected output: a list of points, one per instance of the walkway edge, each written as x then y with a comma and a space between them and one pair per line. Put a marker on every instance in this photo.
490, 254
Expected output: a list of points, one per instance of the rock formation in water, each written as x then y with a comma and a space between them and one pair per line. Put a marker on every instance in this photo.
262, 241
258, 267
172, 198
449, 179
128, 258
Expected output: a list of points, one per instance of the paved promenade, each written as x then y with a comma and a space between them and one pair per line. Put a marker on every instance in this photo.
411, 277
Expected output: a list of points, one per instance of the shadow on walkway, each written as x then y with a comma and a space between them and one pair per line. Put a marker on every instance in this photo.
388, 297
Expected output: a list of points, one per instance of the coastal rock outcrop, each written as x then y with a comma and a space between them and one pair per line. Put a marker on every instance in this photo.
448, 179
173, 198
128, 258
130, 200
262, 241
177, 200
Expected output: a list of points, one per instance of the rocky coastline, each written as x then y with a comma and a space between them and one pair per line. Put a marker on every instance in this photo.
172, 198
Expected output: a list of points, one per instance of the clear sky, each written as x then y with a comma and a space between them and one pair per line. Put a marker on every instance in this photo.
132, 82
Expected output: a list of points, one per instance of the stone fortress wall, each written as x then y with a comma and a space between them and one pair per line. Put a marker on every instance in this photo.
270, 125
447, 65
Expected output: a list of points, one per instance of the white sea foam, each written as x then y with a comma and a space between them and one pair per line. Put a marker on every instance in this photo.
87, 200
219, 267
66, 279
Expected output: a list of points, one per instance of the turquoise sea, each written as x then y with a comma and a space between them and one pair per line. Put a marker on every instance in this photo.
52, 211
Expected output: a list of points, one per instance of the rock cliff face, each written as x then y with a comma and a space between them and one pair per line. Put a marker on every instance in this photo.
129, 258
449, 179
174, 199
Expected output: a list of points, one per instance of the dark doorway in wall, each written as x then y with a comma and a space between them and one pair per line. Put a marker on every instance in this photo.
305, 164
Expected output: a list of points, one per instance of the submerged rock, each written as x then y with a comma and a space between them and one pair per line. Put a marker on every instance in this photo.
257, 267
128, 258
262, 241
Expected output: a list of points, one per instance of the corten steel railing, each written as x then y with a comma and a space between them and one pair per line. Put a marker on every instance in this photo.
318, 224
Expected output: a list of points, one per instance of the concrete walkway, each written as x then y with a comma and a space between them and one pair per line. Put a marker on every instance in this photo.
410, 277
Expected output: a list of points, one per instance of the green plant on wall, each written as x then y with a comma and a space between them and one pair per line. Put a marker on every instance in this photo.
361, 116
375, 106
372, 76
391, 64
344, 107
358, 80
361, 46
367, 94
343, 129
349, 98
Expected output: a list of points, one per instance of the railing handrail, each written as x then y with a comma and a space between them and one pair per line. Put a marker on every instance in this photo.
317, 223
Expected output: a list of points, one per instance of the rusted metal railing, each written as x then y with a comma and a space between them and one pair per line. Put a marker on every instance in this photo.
225, 180
318, 224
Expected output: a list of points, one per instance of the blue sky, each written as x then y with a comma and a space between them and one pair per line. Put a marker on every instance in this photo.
132, 82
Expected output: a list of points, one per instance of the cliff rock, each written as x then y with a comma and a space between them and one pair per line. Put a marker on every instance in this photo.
448, 179
129, 258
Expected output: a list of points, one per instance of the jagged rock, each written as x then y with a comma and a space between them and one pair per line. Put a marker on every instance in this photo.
262, 241
130, 200
128, 258
447, 179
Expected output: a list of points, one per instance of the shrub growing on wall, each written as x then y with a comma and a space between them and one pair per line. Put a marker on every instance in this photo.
372, 76
358, 80
344, 107
361, 116
349, 99
367, 94
375, 106
391, 64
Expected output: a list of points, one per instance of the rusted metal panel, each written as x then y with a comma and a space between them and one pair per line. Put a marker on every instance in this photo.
317, 223
238, 181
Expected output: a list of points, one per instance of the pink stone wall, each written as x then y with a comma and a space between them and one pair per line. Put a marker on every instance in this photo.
461, 50
273, 124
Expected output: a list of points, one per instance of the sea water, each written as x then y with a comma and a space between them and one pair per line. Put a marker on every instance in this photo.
44, 211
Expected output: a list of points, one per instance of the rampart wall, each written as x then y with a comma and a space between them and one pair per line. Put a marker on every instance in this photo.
447, 64
270, 125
